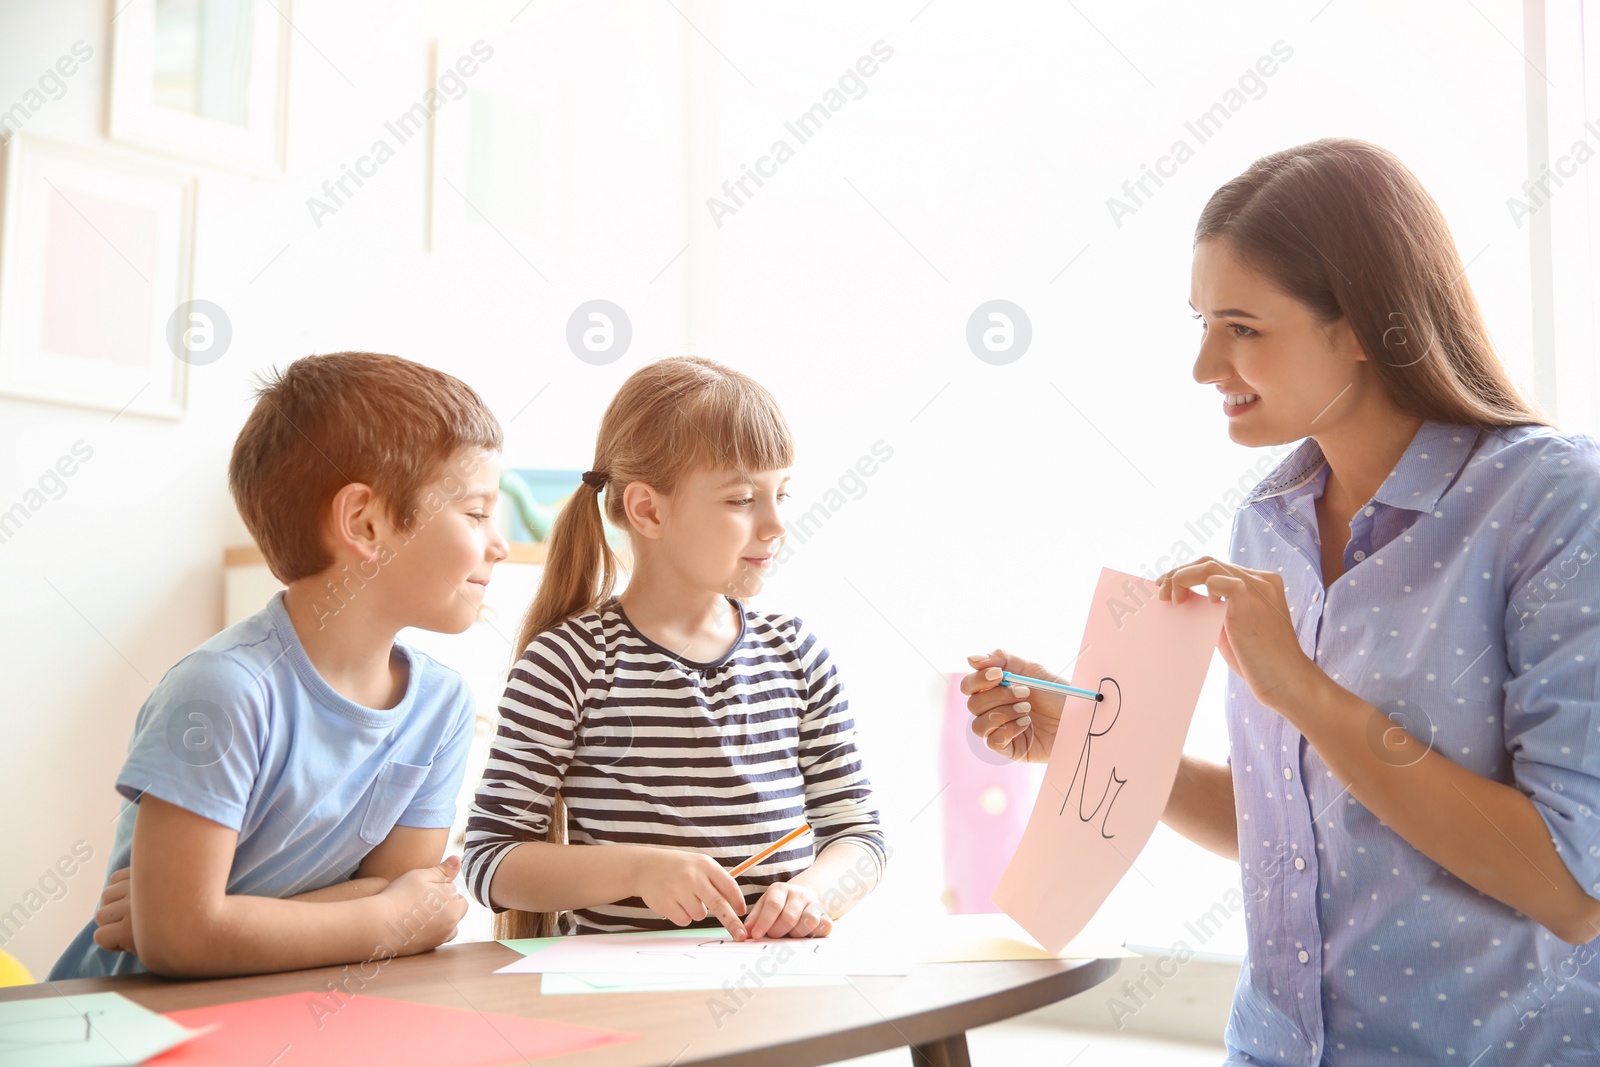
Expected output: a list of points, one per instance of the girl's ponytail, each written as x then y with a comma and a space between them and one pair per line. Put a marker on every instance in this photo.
580, 571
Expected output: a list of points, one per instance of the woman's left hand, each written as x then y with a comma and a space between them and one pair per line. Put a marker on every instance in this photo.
1258, 639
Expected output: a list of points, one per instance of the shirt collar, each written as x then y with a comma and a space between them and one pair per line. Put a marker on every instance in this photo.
1427, 467
1298, 468
1430, 464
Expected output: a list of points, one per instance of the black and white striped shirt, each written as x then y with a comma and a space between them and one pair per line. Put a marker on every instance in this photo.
648, 748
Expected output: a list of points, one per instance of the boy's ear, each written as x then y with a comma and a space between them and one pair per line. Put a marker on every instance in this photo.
644, 507
354, 521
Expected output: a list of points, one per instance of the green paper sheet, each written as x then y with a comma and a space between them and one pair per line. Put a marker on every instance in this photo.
84, 1030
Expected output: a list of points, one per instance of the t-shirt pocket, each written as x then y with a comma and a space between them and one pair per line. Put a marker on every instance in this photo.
397, 784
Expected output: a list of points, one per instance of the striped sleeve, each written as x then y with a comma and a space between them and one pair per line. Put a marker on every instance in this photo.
838, 794
540, 714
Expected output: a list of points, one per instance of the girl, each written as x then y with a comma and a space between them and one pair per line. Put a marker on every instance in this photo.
1413, 627
684, 731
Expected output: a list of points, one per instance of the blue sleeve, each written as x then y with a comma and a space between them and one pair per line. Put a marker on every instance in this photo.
434, 804
198, 740
1552, 713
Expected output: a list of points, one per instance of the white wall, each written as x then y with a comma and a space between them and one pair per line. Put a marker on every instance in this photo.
107, 587
976, 166
991, 142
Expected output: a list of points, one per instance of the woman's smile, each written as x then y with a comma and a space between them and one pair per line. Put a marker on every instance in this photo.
1235, 404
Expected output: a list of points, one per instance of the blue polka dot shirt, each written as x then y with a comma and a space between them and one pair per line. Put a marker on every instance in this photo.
1469, 612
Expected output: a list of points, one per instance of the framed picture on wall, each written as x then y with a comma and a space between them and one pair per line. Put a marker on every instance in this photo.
96, 255
486, 145
531, 498
206, 80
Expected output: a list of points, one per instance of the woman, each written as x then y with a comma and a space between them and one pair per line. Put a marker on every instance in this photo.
1413, 630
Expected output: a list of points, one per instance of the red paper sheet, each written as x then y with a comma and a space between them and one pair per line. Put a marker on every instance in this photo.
311, 1029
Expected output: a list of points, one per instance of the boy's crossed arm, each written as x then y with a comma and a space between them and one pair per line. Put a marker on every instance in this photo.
174, 906
406, 848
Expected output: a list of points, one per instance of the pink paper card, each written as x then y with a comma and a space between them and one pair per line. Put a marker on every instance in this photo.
313, 1029
1113, 761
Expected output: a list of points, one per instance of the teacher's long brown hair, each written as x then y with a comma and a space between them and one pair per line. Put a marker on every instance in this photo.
1345, 228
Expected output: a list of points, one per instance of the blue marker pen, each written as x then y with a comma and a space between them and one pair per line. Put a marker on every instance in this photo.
1007, 678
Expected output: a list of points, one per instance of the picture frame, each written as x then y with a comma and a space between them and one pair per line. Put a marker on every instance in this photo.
531, 499
484, 148
96, 257
202, 80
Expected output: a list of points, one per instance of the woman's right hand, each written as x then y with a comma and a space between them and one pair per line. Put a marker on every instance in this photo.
1019, 722
684, 886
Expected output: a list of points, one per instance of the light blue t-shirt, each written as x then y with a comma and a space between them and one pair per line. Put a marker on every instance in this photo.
243, 731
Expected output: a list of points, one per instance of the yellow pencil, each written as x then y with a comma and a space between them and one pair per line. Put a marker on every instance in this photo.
769, 850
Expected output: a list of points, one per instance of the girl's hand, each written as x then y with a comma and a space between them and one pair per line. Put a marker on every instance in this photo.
789, 909
684, 886
1258, 639
1014, 720
114, 919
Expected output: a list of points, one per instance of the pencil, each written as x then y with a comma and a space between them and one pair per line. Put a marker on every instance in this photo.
769, 850
1007, 678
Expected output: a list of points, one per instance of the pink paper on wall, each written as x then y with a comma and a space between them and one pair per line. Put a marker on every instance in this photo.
102, 255
985, 808
1113, 762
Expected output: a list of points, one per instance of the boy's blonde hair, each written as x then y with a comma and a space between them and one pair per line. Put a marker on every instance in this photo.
328, 421
669, 418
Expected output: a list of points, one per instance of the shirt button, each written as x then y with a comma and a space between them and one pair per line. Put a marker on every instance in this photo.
1359, 555
1288, 775
1369, 511
1305, 957
1299, 865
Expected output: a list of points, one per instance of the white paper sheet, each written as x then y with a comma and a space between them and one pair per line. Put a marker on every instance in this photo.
718, 956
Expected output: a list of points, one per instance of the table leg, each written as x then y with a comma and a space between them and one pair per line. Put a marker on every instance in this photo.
947, 1052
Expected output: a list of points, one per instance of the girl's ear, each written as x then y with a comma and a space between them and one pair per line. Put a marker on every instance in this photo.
644, 508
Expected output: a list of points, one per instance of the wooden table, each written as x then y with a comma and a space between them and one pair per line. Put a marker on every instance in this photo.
929, 1010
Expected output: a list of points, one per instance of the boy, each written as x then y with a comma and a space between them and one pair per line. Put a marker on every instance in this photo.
293, 779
